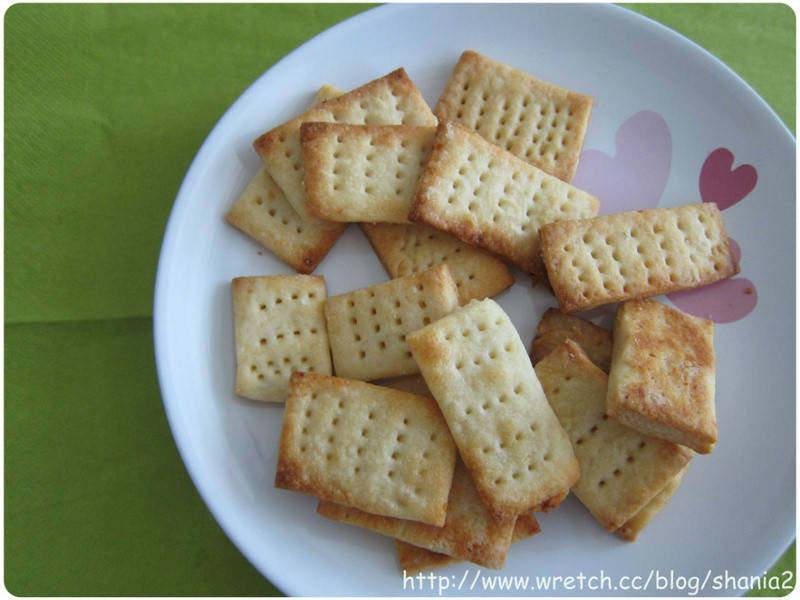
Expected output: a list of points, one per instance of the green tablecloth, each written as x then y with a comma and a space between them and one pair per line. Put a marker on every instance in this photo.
105, 107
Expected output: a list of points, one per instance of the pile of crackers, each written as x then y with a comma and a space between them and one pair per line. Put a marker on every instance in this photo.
412, 406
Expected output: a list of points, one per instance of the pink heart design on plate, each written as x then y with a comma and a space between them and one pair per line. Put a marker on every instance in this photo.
722, 302
720, 184
636, 177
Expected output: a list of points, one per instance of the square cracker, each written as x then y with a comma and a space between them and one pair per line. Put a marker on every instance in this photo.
555, 327
635, 254
368, 326
488, 197
357, 173
535, 120
470, 532
621, 469
279, 328
408, 249
662, 378
389, 100
263, 213
414, 559
381, 450
477, 368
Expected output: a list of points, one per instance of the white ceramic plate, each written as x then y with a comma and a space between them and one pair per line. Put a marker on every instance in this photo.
663, 106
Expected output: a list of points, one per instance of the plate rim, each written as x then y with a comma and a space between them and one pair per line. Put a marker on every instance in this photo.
181, 204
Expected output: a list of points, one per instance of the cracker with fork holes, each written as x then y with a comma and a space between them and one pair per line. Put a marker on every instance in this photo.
488, 197
636, 254
263, 213
477, 368
367, 327
407, 249
381, 450
389, 100
279, 328
362, 173
535, 120
470, 532
622, 470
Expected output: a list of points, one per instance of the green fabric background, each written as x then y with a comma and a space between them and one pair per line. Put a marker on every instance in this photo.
105, 107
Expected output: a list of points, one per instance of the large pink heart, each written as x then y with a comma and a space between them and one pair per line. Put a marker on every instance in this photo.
636, 176
722, 302
720, 184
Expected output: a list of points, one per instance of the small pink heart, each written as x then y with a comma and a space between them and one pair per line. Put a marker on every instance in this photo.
720, 184
722, 302
636, 176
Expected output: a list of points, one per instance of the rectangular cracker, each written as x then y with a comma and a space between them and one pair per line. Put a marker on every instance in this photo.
414, 559
389, 100
555, 327
263, 213
533, 119
470, 532
357, 173
488, 197
367, 327
663, 374
621, 469
381, 450
477, 368
635, 254
634, 526
279, 328
408, 249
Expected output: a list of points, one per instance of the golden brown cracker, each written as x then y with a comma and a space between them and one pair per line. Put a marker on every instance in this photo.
358, 173
535, 120
381, 450
488, 197
388, 100
414, 559
555, 327
621, 469
367, 327
480, 374
470, 532
663, 374
407, 249
635, 254
279, 329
